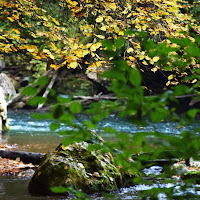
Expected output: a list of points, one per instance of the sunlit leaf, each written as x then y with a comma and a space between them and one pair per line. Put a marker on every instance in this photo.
99, 19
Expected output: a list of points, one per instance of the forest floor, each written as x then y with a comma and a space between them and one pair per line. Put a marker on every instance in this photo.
13, 167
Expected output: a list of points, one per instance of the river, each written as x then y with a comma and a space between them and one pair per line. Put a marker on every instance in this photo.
28, 134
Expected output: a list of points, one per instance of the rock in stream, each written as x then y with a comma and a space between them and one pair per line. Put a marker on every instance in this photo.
73, 165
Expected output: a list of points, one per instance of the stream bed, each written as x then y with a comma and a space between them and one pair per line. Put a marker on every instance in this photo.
31, 135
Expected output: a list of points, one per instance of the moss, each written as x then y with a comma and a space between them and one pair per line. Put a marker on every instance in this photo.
76, 85
74, 165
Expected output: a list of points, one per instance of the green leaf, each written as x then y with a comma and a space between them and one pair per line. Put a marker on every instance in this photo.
193, 112
120, 63
34, 101
54, 126
75, 107
29, 90
63, 100
158, 115
107, 44
52, 92
58, 111
113, 74
109, 129
39, 116
148, 45
89, 124
181, 90
80, 194
129, 32
59, 189
119, 43
43, 81
110, 53
135, 77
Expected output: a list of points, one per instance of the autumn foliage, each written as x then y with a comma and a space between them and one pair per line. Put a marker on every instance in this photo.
28, 28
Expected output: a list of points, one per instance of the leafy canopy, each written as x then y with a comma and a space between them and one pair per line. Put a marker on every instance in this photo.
74, 39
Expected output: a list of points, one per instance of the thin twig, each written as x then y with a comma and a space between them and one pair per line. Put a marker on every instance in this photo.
48, 89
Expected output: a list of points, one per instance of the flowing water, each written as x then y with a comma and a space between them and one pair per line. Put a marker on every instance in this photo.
28, 134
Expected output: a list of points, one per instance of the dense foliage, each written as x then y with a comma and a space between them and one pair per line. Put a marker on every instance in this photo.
159, 36
69, 33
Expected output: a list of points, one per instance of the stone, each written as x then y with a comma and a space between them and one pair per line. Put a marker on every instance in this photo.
2, 64
3, 112
74, 165
95, 77
7, 91
7, 85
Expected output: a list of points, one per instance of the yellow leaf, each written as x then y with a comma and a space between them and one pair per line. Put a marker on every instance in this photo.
2, 38
168, 83
11, 19
101, 36
92, 66
174, 83
98, 64
141, 57
73, 65
130, 50
94, 47
155, 59
51, 56
88, 34
103, 28
144, 27
170, 77
65, 147
55, 21
85, 52
54, 66
144, 62
113, 6
131, 58
99, 19
194, 81
116, 28
121, 32
53, 46
133, 66
16, 30
32, 48
147, 58
46, 51
129, 15
154, 69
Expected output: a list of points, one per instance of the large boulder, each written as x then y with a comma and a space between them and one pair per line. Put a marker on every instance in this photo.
73, 165
7, 91
3, 112
7, 85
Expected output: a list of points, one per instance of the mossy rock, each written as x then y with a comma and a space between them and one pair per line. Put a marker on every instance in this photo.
76, 85
75, 166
